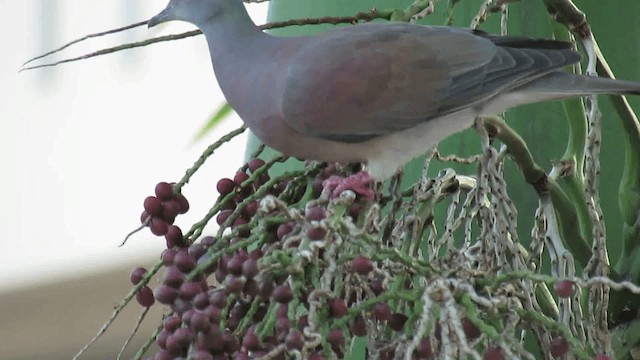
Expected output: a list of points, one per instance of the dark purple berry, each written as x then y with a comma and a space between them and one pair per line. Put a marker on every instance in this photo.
338, 307
493, 353
251, 341
165, 294
564, 288
137, 274
167, 256
170, 210
189, 289
218, 298
559, 346
316, 233
225, 186
223, 216
164, 191
294, 340
250, 268
470, 330
184, 261
234, 265
240, 177
174, 237
255, 164
362, 265
282, 294
358, 326
183, 336
315, 213
173, 277
182, 202
153, 206
284, 229
161, 339
335, 338
144, 297
201, 301
158, 226
172, 323
397, 321
196, 250
381, 311
200, 322
234, 284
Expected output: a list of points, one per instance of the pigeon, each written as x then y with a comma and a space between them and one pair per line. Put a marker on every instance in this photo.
380, 94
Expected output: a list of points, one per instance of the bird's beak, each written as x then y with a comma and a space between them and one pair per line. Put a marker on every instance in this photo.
164, 15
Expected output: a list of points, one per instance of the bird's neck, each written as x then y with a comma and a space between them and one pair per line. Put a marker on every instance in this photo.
242, 58
232, 33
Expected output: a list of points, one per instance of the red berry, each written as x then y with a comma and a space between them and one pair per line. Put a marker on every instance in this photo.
358, 326
284, 229
316, 213
294, 340
251, 341
335, 338
282, 294
184, 261
255, 164
145, 218
153, 206
189, 289
182, 202
316, 233
173, 277
559, 346
223, 216
225, 186
219, 299
165, 294
234, 284
397, 321
251, 209
240, 177
158, 226
164, 191
174, 237
338, 307
377, 287
137, 274
234, 265
564, 288
167, 256
424, 350
200, 322
250, 268
381, 311
470, 330
145, 297
183, 336
493, 353
361, 265
170, 210
171, 323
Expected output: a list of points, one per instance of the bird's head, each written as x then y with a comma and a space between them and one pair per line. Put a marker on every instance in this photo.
192, 11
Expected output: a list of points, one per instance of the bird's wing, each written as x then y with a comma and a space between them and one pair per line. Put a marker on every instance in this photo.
353, 84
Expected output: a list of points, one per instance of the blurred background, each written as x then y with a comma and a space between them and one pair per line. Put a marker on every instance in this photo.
81, 146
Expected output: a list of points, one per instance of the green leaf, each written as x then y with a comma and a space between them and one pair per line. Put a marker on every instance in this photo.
213, 121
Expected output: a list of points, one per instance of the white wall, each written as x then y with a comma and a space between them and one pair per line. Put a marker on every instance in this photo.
82, 144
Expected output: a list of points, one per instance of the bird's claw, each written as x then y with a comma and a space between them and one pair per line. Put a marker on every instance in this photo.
358, 183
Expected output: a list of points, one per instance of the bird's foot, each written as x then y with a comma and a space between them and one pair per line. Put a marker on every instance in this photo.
359, 183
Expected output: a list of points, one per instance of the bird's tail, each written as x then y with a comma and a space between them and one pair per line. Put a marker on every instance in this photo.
558, 85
